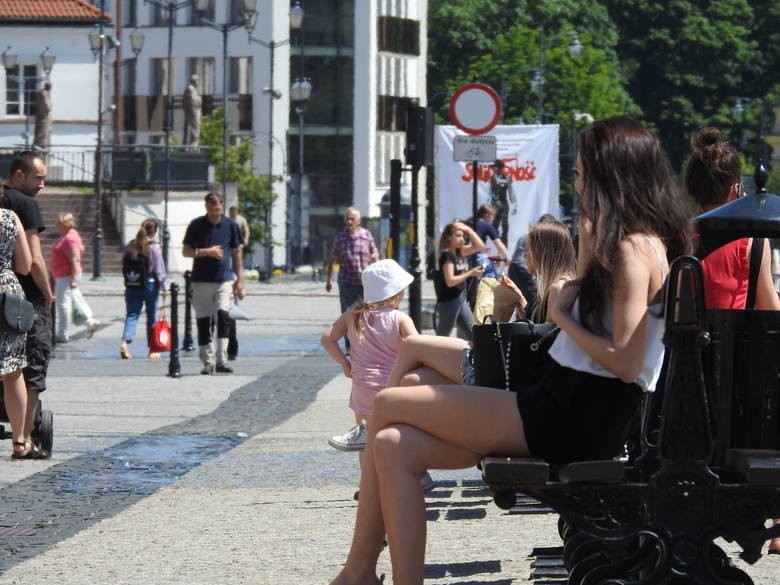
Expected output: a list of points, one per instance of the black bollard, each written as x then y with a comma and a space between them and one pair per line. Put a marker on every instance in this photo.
174, 366
187, 341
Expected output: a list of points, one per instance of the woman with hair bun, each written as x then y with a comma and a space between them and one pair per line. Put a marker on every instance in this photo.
713, 177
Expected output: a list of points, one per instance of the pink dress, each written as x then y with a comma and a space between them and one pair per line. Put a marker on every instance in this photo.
373, 356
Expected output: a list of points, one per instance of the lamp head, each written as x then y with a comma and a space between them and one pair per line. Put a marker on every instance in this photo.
47, 61
9, 60
296, 16
137, 39
575, 46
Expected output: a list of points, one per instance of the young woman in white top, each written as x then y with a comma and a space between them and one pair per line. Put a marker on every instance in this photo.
608, 352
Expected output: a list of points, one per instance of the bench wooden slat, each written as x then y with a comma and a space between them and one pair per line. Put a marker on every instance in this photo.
602, 471
757, 466
515, 470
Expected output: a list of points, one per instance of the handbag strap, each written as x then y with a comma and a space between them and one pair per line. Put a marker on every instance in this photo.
504, 351
756, 254
162, 314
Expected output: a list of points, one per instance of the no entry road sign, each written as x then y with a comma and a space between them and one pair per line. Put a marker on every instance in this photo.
475, 108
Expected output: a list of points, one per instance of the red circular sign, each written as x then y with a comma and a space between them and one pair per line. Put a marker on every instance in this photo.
475, 108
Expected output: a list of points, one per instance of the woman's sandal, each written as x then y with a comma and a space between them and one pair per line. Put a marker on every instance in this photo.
124, 353
30, 452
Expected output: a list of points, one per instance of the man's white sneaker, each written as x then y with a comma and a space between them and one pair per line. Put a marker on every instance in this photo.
353, 440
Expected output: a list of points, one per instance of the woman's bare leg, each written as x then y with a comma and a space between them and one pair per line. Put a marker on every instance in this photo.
441, 354
369, 535
424, 427
15, 397
425, 376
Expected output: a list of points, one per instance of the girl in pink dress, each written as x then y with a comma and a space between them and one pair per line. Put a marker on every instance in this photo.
375, 329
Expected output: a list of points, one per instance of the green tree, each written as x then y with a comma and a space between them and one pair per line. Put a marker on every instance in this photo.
254, 193
686, 62
500, 43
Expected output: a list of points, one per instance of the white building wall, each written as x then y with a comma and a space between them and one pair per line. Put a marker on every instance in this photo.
74, 80
365, 92
201, 41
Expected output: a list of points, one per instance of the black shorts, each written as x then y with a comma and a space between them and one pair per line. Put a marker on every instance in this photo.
38, 349
570, 415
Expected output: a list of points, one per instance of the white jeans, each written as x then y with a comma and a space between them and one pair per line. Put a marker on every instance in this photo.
207, 299
63, 296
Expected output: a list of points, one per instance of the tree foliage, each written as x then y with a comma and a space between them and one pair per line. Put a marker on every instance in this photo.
678, 65
687, 61
254, 194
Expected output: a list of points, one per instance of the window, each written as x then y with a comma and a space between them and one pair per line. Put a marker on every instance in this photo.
398, 35
329, 23
21, 83
195, 17
240, 79
203, 67
159, 73
237, 14
130, 13
160, 16
129, 78
332, 80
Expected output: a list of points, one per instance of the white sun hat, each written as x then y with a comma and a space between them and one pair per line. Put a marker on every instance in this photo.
384, 279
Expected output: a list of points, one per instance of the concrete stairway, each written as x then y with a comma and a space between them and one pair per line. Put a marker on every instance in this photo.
54, 201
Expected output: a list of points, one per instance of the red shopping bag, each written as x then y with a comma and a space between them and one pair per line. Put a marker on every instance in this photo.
161, 336
161, 333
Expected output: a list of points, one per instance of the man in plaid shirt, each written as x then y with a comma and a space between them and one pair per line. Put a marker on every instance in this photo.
353, 249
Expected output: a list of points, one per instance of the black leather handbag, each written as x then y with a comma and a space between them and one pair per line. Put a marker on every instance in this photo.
508, 355
16, 313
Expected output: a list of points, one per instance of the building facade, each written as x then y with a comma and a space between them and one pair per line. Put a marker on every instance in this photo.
365, 60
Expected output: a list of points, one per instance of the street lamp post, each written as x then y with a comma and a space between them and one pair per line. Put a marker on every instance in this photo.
300, 91
137, 41
47, 59
575, 48
296, 21
249, 12
99, 43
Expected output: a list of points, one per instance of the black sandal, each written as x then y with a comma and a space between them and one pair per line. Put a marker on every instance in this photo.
32, 452
24, 454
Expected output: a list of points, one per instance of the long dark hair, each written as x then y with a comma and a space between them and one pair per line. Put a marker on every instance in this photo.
448, 230
627, 189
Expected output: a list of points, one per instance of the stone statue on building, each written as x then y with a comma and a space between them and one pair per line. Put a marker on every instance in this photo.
193, 104
43, 109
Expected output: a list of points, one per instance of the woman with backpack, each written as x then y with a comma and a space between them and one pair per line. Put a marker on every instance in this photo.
145, 276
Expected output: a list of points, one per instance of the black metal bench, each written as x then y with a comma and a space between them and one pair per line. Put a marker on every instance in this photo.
643, 522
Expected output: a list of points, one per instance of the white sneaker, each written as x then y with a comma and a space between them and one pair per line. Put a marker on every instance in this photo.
353, 440
426, 483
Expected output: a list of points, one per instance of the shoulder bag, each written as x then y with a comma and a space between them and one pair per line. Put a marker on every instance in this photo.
16, 313
507, 355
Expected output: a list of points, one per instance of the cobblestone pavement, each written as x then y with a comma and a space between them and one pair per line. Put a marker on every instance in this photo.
226, 479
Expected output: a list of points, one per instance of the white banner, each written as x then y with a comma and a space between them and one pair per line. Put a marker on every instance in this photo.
528, 188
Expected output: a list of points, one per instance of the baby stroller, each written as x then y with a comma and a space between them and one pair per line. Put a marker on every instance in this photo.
43, 428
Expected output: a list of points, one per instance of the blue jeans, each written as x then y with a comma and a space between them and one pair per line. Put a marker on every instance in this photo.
349, 294
134, 300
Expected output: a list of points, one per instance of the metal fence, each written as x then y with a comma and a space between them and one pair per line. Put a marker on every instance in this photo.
125, 167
